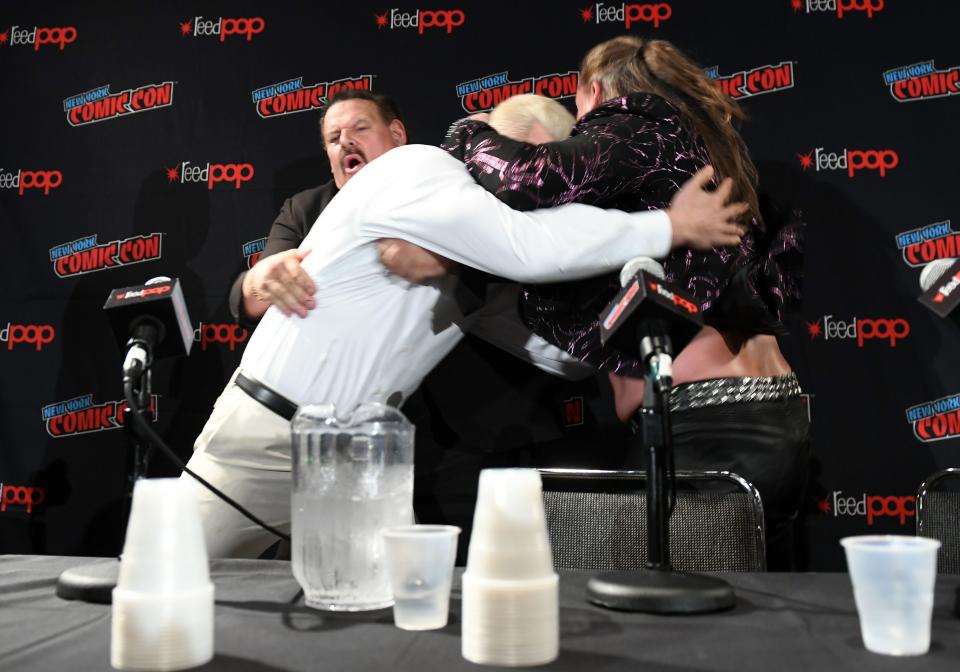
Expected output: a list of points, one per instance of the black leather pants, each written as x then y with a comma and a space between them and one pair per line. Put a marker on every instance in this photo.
766, 443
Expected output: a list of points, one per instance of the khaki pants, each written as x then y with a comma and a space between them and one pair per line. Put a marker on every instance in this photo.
243, 450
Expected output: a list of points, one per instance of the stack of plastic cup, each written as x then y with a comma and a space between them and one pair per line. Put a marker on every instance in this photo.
163, 602
510, 591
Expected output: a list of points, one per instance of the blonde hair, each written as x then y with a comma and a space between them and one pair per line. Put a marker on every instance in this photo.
516, 116
629, 64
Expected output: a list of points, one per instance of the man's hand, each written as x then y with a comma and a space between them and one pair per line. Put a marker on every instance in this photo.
279, 280
701, 219
411, 262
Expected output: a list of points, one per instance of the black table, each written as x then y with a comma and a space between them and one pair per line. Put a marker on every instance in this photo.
781, 622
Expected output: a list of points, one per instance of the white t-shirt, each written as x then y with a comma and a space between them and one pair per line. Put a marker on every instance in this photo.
373, 334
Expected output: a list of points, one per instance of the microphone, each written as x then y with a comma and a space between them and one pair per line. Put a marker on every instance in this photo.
939, 281
662, 315
149, 321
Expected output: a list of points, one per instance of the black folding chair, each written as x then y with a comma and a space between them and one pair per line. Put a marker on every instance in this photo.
938, 516
597, 520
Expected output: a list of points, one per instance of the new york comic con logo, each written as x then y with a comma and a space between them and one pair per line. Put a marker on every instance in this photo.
234, 174
888, 330
922, 81
851, 160
485, 93
81, 416
253, 250
839, 7
23, 180
629, 14
936, 420
753, 82
291, 96
37, 36
85, 255
223, 27
99, 104
929, 243
421, 19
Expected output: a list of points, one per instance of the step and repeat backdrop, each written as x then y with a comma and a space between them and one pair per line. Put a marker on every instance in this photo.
161, 139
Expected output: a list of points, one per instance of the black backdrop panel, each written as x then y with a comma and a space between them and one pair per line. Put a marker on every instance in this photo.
162, 140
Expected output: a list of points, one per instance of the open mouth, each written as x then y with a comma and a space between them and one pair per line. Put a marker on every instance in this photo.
352, 163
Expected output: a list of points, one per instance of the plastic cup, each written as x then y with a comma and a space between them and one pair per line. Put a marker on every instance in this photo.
893, 578
162, 613
420, 564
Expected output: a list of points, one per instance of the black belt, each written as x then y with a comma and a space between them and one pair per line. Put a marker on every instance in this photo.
277, 403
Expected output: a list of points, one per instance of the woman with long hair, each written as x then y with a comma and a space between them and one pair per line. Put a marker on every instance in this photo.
648, 119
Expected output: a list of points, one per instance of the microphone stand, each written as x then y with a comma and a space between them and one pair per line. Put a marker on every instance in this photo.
95, 582
658, 589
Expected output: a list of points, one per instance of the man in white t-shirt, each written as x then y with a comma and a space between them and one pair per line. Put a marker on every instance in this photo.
373, 336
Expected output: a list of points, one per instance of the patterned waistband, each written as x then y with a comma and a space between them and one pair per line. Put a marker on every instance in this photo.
733, 391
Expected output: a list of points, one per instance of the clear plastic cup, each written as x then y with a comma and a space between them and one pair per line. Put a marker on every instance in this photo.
162, 612
893, 578
420, 565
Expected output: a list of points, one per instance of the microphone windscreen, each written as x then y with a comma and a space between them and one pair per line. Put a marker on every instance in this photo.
932, 272
637, 264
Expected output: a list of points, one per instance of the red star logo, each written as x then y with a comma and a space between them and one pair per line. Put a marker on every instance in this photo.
173, 173
4, 37
186, 28
587, 14
797, 5
381, 20
814, 329
823, 505
938, 298
806, 160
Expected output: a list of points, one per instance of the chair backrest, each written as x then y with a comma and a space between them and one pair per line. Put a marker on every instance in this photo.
938, 516
598, 520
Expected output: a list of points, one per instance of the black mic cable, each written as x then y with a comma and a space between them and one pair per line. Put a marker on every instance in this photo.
149, 433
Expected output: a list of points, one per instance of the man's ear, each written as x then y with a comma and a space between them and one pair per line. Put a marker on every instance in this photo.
398, 132
596, 94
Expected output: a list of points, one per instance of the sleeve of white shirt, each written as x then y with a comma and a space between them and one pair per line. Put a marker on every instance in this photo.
432, 201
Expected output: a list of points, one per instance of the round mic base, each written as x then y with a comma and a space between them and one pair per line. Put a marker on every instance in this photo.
660, 592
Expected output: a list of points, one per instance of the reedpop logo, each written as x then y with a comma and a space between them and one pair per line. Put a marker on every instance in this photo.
37, 36
25, 496
230, 334
838, 7
222, 27
859, 329
31, 179
37, 335
421, 19
653, 13
869, 506
211, 173
850, 160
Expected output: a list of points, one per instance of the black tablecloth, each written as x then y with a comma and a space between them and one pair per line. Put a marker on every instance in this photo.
781, 622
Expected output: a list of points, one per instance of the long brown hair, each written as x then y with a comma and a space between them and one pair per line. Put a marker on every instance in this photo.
629, 64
